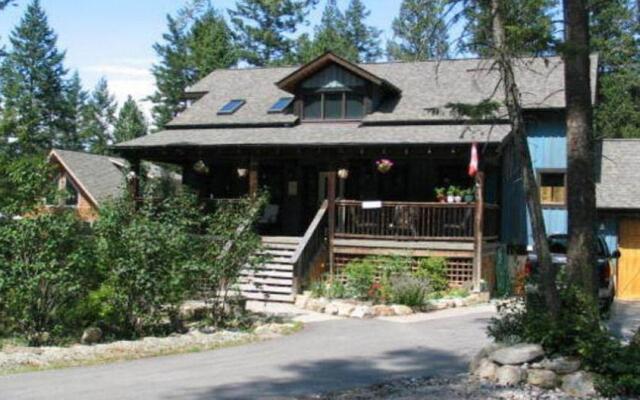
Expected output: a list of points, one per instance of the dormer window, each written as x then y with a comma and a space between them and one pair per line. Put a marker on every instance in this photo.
231, 107
342, 105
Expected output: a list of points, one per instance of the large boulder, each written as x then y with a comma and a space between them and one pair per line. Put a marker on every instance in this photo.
331, 309
579, 384
400, 309
543, 378
317, 305
509, 375
345, 309
382, 311
362, 312
482, 354
91, 335
518, 354
486, 370
302, 300
560, 365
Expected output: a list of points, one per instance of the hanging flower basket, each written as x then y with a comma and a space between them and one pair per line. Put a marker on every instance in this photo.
384, 165
201, 168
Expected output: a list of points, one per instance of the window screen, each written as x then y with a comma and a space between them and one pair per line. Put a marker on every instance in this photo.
355, 107
333, 105
312, 107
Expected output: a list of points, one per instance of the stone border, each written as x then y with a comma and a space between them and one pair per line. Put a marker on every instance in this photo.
362, 310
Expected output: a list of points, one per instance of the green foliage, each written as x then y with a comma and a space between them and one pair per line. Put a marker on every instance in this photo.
24, 182
210, 43
409, 290
331, 288
45, 270
99, 117
420, 31
486, 109
130, 123
263, 28
365, 38
360, 275
434, 270
76, 99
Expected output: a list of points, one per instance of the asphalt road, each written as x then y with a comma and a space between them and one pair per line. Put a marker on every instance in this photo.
326, 356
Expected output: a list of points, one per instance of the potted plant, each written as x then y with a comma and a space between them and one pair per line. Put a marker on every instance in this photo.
469, 195
457, 195
451, 194
441, 195
384, 165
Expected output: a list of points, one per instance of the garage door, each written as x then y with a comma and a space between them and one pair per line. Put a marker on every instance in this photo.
629, 263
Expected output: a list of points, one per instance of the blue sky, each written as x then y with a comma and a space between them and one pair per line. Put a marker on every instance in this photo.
113, 38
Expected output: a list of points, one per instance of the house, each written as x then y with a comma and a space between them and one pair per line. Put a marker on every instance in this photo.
87, 180
315, 136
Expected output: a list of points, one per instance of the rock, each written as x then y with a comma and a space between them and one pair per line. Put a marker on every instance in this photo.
578, 384
317, 305
518, 354
91, 335
302, 300
192, 311
509, 375
382, 311
400, 309
486, 370
362, 312
345, 309
331, 309
273, 329
543, 378
459, 302
483, 353
560, 365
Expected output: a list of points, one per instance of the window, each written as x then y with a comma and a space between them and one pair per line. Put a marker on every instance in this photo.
333, 106
231, 107
552, 188
71, 194
281, 105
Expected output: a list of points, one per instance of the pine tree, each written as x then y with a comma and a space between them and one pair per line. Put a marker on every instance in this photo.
76, 101
99, 119
210, 44
614, 36
172, 75
365, 38
131, 122
330, 35
32, 78
262, 28
420, 31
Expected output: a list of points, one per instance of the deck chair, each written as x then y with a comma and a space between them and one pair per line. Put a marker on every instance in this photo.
359, 223
404, 219
270, 214
457, 229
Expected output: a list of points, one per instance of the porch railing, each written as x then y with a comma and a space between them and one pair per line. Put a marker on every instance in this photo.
311, 243
413, 220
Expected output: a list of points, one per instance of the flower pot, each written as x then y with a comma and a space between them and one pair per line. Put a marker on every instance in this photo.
457, 199
450, 198
441, 199
468, 198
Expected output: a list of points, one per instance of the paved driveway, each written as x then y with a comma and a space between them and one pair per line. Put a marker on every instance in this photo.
326, 356
625, 318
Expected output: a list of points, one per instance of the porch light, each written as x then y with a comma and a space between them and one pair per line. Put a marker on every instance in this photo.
343, 173
200, 167
384, 165
242, 172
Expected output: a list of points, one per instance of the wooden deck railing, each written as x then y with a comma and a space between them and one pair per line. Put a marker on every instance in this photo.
311, 243
413, 221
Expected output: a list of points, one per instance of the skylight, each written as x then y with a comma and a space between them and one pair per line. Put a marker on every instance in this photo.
231, 107
281, 105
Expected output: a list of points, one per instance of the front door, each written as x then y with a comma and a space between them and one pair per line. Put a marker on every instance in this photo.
628, 280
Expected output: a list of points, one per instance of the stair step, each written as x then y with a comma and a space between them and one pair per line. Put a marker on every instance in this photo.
278, 260
266, 281
267, 274
276, 266
281, 239
285, 298
281, 246
248, 287
273, 252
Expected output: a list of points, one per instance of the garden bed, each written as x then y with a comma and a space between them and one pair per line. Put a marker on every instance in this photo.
17, 358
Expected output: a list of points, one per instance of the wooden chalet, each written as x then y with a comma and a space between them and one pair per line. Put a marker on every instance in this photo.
312, 135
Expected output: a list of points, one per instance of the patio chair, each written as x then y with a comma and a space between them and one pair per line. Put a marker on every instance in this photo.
458, 229
405, 219
359, 223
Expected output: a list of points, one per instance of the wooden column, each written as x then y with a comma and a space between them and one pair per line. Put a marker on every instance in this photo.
253, 178
331, 200
134, 181
478, 232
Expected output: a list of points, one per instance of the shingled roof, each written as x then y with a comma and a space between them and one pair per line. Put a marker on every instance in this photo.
99, 177
617, 181
426, 87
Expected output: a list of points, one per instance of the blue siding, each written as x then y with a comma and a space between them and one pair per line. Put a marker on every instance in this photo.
555, 220
608, 228
547, 144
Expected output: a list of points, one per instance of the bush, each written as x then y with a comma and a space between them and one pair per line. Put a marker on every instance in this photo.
408, 290
45, 270
434, 270
360, 276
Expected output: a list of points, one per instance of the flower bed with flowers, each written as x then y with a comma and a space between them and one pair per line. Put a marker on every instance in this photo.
387, 286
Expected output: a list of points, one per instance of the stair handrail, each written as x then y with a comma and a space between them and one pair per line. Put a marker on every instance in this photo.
311, 240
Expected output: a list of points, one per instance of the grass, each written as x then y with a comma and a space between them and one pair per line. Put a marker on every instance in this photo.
131, 355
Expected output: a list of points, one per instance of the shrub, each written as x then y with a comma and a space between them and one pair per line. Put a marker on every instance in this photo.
434, 269
45, 270
360, 275
408, 290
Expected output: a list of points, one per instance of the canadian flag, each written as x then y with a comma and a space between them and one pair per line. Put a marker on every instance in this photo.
473, 164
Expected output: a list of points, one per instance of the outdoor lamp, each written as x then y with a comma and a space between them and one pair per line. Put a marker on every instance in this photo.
242, 172
343, 173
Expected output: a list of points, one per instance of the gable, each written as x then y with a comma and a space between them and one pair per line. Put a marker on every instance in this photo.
331, 78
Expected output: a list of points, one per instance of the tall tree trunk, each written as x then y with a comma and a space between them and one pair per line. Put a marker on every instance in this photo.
581, 192
518, 130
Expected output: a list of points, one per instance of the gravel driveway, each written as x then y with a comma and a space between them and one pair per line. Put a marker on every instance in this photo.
325, 356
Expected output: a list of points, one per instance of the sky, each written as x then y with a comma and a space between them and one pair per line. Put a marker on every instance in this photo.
114, 38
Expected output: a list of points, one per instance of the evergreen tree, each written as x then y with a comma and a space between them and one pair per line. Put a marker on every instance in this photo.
131, 122
210, 44
420, 31
262, 28
32, 78
99, 119
172, 75
330, 35
76, 101
614, 36
365, 38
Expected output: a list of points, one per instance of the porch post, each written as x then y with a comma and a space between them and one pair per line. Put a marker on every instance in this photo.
134, 180
331, 200
478, 232
253, 178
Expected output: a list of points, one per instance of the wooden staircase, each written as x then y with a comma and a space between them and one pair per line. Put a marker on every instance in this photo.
273, 280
